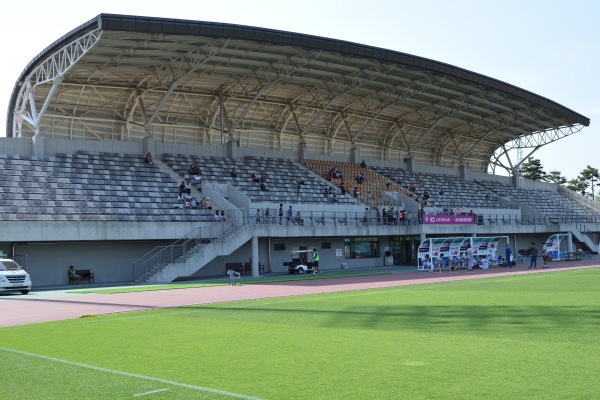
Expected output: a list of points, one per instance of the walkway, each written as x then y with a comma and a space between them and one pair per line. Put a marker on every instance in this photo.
46, 306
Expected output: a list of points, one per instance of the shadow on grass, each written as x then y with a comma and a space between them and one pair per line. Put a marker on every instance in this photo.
430, 319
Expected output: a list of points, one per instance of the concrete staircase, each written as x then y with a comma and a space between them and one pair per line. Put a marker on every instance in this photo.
198, 254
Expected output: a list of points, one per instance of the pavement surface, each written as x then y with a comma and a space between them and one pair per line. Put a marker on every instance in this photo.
55, 305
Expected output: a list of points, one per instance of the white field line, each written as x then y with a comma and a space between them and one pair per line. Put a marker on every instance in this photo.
150, 392
131, 375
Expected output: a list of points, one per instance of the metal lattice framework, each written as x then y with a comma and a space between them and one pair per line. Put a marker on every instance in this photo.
124, 78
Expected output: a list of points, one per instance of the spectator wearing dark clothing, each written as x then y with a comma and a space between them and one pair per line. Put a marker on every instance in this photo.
533, 253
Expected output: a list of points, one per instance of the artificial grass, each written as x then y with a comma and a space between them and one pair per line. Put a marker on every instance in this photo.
518, 337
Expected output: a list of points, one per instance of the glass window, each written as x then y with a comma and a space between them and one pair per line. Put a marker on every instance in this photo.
361, 248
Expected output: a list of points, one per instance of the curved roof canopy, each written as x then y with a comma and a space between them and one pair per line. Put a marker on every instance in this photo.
124, 77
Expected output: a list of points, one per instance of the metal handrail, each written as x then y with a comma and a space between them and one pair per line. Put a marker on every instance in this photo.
161, 256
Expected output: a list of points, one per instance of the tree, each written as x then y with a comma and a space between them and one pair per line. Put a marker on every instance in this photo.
532, 169
555, 177
590, 176
577, 185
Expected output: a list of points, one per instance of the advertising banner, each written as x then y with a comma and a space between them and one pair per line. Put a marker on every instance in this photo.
448, 219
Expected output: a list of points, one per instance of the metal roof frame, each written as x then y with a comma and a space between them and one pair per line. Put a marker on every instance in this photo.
126, 77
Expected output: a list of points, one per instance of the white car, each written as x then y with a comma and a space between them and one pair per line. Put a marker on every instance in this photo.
13, 277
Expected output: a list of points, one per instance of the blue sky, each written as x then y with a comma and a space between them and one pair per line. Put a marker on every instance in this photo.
551, 48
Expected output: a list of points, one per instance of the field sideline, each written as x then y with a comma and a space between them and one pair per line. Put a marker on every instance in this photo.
533, 335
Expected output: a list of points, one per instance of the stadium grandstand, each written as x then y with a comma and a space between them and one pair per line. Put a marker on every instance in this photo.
263, 142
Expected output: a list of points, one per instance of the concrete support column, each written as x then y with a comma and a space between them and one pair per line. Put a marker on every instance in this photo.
462, 170
255, 256
570, 242
515, 180
38, 147
303, 152
149, 145
410, 164
232, 149
355, 155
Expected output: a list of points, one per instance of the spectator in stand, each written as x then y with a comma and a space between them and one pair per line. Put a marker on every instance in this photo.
267, 219
258, 216
194, 169
298, 219
363, 164
280, 214
343, 187
334, 198
182, 188
254, 178
356, 192
149, 159
263, 187
326, 193
222, 215
426, 196
234, 172
366, 215
360, 179
217, 215
335, 174
299, 183
413, 187
290, 214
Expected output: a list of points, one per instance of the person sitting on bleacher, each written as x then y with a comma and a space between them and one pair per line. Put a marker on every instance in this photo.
356, 192
298, 219
234, 172
253, 178
149, 159
263, 187
360, 179
342, 186
194, 169
335, 174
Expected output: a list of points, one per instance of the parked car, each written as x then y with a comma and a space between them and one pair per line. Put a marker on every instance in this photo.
13, 277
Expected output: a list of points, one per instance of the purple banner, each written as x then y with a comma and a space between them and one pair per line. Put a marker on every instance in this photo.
448, 219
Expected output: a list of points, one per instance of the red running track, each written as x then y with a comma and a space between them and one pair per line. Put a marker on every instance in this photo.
42, 307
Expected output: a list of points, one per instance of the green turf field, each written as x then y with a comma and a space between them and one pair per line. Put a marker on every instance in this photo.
521, 337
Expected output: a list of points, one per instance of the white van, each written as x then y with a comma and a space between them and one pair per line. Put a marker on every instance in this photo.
13, 277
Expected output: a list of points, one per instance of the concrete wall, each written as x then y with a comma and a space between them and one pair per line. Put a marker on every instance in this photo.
111, 262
